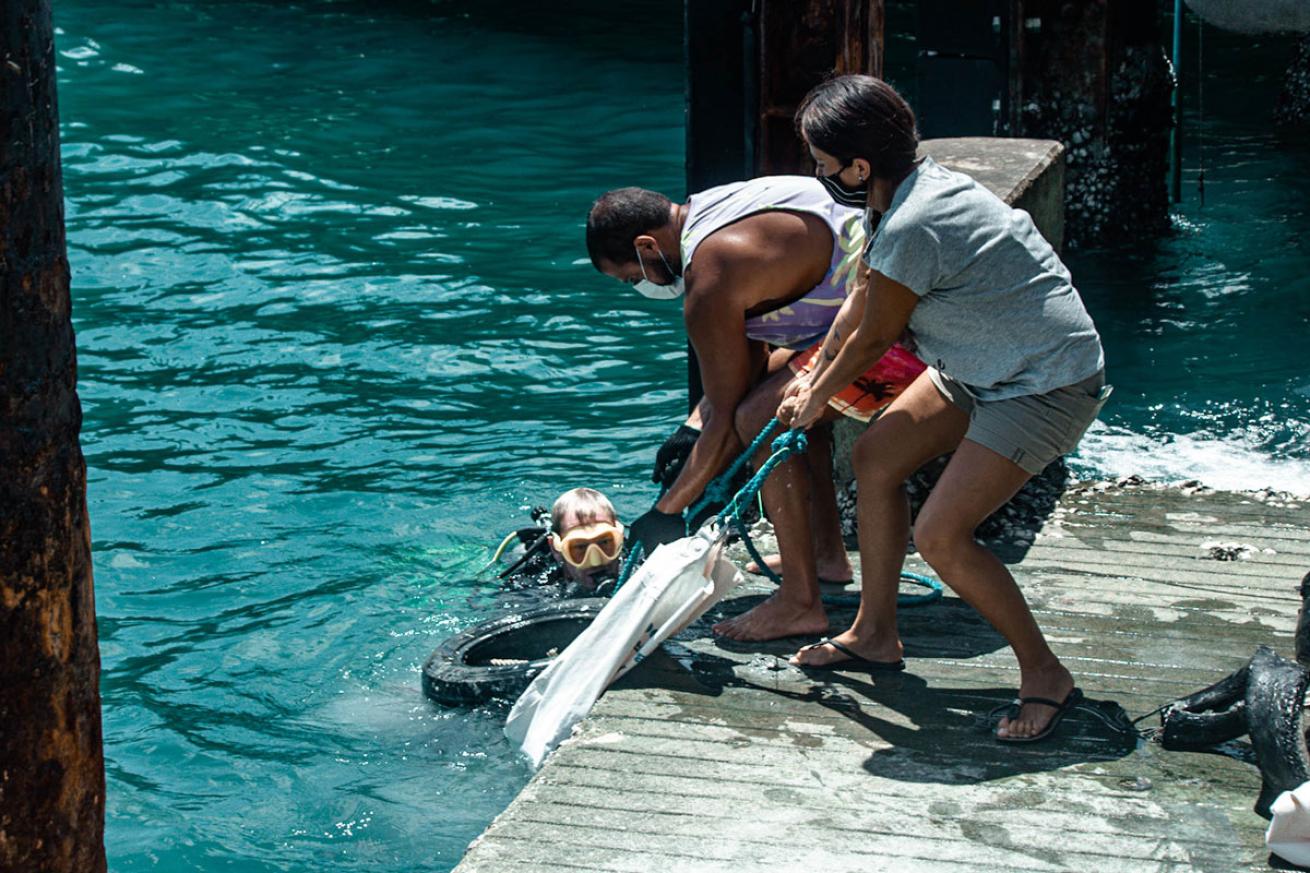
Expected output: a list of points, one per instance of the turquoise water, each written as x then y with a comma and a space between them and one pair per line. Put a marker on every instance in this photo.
333, 338
1206, 331
337, 331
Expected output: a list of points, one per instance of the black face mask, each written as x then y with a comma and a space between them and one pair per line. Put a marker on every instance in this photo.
857, 197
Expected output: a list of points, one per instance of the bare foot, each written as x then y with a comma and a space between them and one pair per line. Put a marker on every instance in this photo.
1054, 683
835, 571
824, 655
773, 562
775, 618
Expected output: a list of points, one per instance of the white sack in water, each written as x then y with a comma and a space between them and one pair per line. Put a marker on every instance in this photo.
1255, 16
1288, 836
675, 585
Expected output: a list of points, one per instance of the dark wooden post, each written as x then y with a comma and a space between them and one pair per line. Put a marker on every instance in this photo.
52, 784
1095, 77
1293, 107
802, 42
718, 37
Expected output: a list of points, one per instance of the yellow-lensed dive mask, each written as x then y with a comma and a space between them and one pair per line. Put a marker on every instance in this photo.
590, 545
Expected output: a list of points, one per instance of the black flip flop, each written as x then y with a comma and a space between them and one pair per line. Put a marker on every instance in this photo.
853, 659
1011, 711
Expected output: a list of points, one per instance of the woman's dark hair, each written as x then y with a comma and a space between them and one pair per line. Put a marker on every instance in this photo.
619, 217
857, 116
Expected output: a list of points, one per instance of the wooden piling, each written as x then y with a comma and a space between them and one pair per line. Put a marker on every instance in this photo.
52, 788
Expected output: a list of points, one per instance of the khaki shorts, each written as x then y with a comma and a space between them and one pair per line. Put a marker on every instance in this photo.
1032, 430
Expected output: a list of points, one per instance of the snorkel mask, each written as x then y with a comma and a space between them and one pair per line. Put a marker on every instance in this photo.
590, 545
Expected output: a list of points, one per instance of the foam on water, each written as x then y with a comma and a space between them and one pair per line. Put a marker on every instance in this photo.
1231, 464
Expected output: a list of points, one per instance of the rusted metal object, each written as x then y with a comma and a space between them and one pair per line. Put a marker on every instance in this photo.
801, 43
52, 788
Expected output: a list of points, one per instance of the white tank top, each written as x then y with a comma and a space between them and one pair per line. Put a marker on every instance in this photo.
802, 322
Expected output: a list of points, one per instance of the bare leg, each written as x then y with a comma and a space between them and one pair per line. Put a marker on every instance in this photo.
830, 559
795, 608
918, 426
974, 485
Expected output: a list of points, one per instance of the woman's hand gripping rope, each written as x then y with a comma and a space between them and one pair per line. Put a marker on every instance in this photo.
800, 408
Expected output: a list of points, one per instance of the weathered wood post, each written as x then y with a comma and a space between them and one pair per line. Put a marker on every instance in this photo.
801, 43
52, 784
1095, 77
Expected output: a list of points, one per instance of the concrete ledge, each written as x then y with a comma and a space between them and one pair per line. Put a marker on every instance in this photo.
1028, 174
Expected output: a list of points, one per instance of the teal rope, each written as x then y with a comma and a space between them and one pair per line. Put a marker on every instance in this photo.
933, 593
783, 446
791, 442
634, 558
794, 441
717, 490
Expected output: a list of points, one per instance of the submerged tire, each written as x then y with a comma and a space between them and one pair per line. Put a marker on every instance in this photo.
497, 659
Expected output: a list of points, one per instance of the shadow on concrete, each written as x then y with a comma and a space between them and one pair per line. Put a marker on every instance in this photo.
674, 667
949, 736
950, 739
946, 628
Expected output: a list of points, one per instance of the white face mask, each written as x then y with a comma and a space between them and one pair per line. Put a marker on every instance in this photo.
653, 290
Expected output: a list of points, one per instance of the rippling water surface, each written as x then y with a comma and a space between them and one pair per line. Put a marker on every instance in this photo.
337, 331
334, 335
1206, 331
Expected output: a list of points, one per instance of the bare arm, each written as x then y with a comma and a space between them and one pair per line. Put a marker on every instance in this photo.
847, 320
887, 308
716, 326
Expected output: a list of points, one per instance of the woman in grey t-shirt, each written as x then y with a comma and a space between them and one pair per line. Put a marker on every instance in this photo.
1016, 374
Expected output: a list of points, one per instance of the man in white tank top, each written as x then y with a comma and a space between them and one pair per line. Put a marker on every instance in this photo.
765, 263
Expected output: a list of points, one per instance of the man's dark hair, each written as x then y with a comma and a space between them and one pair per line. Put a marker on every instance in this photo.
859, 116
619, 217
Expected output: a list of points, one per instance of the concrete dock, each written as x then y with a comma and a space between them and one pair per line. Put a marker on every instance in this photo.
724, 758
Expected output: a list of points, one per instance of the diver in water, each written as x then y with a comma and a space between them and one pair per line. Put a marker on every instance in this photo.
581, 551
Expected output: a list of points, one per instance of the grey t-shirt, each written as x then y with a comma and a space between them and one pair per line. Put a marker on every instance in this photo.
997, 308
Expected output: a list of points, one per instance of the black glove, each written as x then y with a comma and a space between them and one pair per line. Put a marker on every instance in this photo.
656, 528
673, 455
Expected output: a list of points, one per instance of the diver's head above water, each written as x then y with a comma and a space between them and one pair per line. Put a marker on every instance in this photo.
585, 535
633, 236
